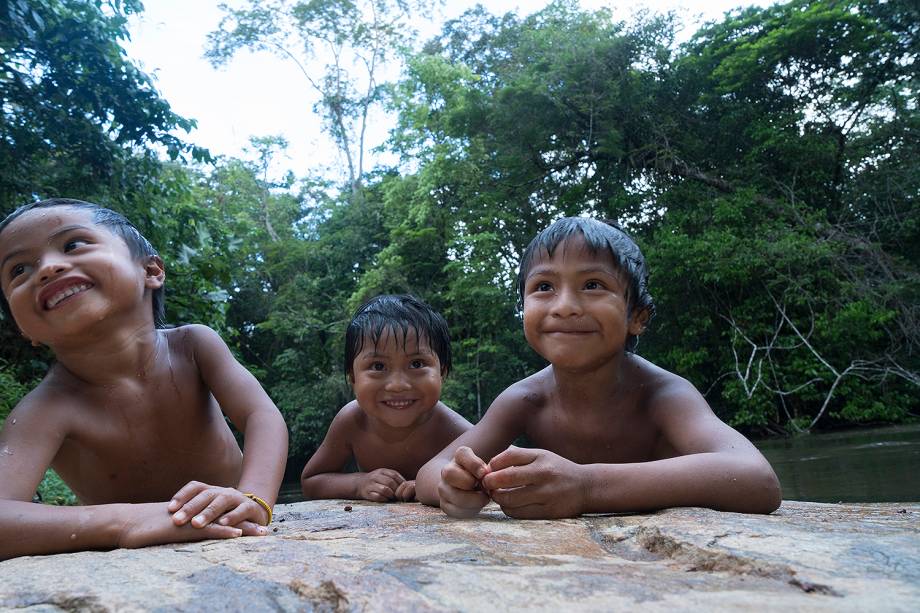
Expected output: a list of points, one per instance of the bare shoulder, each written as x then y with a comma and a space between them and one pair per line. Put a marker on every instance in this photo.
682, 415
528, 394
51, 404
662, 390
192, 336
449, 421
349, 419
33, 433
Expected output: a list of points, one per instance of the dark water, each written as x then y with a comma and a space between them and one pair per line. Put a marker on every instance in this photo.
870, 465
290, 492
866, 465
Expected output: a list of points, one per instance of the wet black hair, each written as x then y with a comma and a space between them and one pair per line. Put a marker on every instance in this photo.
599, 236
117, 224
397, 314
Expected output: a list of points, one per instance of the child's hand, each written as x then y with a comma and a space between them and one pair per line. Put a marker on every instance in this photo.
460, 489
381, 485
147, 524
204, 504
406, 491
535, 484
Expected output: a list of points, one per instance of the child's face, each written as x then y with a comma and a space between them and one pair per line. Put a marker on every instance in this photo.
397, 383
575, 307
59, 271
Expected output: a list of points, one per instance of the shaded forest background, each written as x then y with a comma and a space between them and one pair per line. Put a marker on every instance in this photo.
769, 168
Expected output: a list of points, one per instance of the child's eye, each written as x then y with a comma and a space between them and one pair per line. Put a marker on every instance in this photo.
17, 270
594, 285
378, 366
73, 244
417, 364
543, 287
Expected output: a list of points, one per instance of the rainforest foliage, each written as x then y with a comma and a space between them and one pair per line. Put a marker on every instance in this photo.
769, 167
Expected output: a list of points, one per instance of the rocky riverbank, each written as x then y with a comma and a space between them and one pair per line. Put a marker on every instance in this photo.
345, 555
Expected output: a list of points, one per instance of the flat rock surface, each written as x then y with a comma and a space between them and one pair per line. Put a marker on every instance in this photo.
408, 557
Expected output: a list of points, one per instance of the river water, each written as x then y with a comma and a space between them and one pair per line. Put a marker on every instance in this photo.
860, 465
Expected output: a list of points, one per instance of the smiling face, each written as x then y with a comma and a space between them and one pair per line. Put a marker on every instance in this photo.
60, 272
576, 313
398, 380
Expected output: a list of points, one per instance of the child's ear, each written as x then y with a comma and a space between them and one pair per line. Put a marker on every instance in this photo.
638, 322
350, 377
155, 272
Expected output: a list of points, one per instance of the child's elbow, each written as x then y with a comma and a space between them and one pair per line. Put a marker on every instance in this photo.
769, 494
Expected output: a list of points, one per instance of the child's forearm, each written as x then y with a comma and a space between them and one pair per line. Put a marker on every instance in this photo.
427, 480
264, 455
718, 480
324, 486
27, 528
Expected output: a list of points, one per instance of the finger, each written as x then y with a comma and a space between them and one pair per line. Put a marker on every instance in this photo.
375, 497
470, 462
386, 491
251, 528
390, 482
518, 497
461, 503
216, 531
218, 505
507, 478
186, 493
247, 510
530, 511
458, 477
392, 475
406, 491
460, 511
194, 506
513, 456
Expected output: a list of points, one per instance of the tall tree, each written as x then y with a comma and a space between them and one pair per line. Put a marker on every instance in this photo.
353, 40
74, 108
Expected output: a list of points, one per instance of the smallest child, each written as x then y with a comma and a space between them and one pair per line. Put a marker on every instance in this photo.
397, 353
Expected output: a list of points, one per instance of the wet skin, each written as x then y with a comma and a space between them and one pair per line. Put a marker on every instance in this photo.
612, 431
127, 413
395, 425
141, 438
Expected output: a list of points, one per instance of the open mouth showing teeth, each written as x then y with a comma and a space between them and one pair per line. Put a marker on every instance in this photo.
398, 404
65, 294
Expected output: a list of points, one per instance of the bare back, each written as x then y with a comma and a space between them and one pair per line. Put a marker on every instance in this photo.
137, 439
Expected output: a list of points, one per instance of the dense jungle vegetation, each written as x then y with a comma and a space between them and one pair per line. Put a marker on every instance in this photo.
769, 167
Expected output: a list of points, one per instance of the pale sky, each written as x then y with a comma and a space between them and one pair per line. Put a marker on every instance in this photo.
261, 95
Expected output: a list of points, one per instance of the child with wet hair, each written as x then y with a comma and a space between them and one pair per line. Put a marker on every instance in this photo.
130, 414
397, 353
612, 432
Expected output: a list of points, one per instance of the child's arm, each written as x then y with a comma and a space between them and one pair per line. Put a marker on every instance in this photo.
453, 478
29, 441
714, 466
322, 477
252, 412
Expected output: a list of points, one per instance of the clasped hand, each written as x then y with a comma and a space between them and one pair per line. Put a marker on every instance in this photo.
526, 484
201, 504
385, 484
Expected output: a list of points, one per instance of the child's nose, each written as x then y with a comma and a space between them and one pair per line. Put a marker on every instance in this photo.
397, 381
51, 266
567, 303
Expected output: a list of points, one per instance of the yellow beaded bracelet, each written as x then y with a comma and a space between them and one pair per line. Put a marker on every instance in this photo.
262, 504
